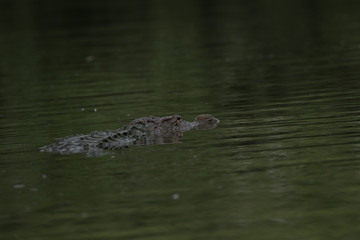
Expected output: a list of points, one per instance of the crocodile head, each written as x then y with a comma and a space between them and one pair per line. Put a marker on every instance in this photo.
206, 121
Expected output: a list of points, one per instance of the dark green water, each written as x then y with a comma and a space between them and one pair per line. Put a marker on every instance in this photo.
282, 76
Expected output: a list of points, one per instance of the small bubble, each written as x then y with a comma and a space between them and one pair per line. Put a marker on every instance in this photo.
33, 189
279, 220
84, 215
82, 109
89, 58
95, 110
43, 176
176, 196
18, 186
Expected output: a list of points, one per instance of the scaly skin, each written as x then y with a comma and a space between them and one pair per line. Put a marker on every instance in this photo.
141, 131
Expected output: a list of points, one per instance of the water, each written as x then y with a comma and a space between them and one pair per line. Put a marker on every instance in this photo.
282, 77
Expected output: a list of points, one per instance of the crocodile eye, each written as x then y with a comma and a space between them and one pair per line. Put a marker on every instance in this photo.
178, 118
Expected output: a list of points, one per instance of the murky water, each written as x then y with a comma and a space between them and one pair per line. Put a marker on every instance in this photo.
283, 78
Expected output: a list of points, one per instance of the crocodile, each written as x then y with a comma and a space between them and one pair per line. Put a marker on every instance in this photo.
141, 131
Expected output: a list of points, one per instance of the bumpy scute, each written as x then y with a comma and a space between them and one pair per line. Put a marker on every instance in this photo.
141, 131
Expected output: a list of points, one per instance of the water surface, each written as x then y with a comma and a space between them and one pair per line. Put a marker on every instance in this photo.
283, 78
